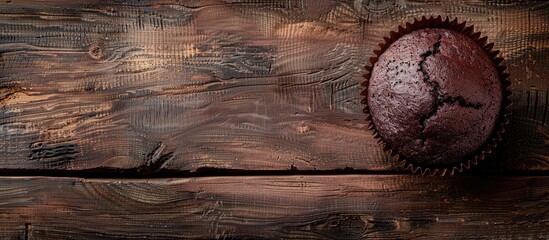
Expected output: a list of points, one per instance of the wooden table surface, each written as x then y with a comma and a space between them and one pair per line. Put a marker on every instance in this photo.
241, 119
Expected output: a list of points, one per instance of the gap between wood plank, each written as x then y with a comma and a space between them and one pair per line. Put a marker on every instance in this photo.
108, 173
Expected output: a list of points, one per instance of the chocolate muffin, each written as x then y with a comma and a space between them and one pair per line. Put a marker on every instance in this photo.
435, 97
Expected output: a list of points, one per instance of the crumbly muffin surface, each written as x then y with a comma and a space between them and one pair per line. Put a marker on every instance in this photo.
434, 96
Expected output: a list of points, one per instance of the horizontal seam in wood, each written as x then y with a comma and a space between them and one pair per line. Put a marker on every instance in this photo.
133, 174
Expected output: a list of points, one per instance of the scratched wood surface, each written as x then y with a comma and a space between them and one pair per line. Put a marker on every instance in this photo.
288, 207
253, 85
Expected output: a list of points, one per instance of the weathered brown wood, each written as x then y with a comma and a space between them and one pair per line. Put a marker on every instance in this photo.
254, 85
300, 207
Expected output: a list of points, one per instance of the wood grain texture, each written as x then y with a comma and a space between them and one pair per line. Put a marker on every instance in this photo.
235, 84
296, 207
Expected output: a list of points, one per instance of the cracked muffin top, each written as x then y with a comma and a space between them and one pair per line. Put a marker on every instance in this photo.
434, 96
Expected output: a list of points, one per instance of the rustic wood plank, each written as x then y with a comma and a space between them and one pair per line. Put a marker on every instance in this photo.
253, 85
345, 207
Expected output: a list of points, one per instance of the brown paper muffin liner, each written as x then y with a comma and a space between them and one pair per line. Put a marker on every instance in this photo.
503, 121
